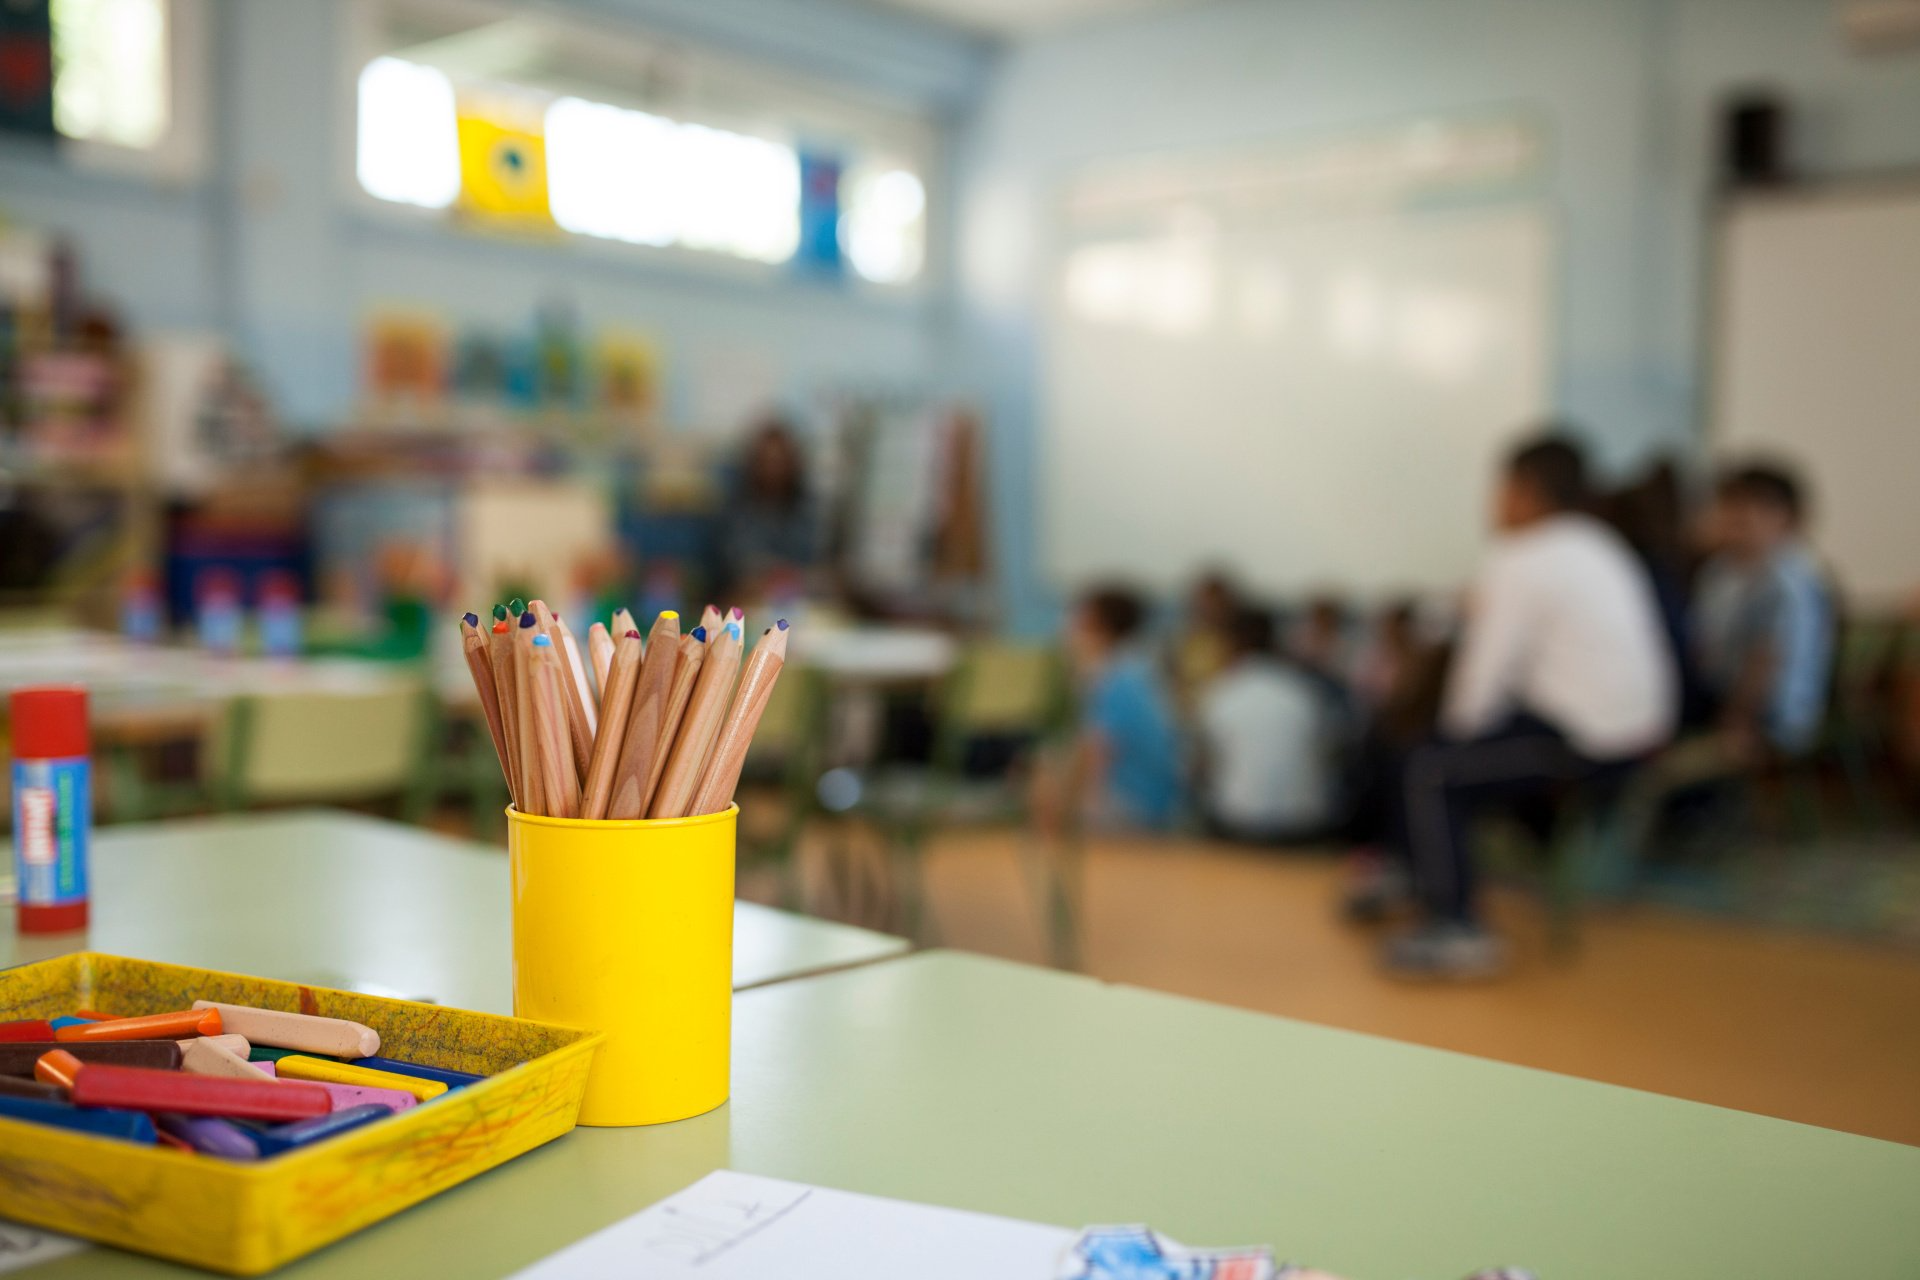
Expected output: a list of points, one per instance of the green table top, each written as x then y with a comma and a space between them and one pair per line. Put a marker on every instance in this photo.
339, 900
984, 1085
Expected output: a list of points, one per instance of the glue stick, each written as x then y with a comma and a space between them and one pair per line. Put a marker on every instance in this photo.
52, 807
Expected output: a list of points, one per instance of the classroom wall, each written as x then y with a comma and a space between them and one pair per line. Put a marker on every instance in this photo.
1626, 90
273, 248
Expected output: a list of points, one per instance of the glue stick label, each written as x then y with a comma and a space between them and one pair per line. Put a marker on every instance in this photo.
51, 804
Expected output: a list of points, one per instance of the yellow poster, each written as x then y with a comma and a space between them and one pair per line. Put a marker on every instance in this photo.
503, 162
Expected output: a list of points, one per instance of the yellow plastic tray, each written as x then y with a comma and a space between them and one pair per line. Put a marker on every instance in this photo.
249, 1218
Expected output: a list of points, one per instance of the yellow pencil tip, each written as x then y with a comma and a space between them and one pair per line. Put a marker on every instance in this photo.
670, 613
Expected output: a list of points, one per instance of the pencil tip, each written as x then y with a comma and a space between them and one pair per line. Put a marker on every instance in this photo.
543, 642
499, 613
633, 635
738, 612
516, 606
699, 633
733, 631
781, 625
670, 613
471, 619
526, 619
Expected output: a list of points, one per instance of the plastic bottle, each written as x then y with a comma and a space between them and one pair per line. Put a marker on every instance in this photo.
52, 807
280, 627
140, 618
217, 612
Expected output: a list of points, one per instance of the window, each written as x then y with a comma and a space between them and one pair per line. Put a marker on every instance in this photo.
535, 123
408, 148
110, 71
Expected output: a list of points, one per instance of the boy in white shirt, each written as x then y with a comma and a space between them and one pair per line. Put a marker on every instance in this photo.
1562, 674
1266, 772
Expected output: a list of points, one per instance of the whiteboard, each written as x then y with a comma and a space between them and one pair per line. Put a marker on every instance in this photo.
1309, 390
1817, 360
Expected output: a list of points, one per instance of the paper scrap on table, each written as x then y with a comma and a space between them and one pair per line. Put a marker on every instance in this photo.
1140, 1253
738, 1226
24, 1246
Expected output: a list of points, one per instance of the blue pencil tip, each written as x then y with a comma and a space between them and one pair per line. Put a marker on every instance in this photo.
699, 633
526, 619
471, 619
782, 624
733, 631
542, 642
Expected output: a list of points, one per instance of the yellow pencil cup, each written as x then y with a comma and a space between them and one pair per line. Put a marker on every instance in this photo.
626, 927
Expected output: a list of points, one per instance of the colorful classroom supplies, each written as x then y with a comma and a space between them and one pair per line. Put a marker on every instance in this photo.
211, 1135
637, 730
52, 806
26, 1029
164, 1055
451, 1079
58, 1068
130, 1125
286, 1137
322, 1071
143, 1089
188, 1022
334, 1037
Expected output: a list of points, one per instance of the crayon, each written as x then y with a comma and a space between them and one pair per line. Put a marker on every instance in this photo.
354, 1095
226, 1040
320, 1071
168, 1026
163, 1055
286, 1137
58, 1068
138, 1089
28, 1029
15, 1087
204, 1058
449, 1078
304, 1032
266, 1053
130, 1125
210, 1135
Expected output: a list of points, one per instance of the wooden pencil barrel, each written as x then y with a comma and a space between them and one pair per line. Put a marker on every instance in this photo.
626, 927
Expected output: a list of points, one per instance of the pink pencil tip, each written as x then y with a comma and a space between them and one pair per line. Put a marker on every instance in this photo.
738, 612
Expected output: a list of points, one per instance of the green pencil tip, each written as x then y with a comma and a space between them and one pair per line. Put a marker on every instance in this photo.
499, 613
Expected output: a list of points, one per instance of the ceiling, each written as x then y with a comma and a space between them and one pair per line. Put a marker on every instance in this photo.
1013, 19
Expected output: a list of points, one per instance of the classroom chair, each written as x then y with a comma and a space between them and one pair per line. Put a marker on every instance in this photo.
1000, 690
288, 748
786, 754
459, 761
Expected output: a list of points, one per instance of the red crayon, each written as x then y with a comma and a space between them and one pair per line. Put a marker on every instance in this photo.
30, 1029
142, 1089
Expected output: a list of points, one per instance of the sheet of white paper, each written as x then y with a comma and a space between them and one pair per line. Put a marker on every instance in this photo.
25, 1246
737, 1226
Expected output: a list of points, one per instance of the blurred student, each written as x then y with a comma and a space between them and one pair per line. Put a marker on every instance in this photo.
1562, 674
772, 536
1122, 769
1265, 755
1763, 618
1203, 645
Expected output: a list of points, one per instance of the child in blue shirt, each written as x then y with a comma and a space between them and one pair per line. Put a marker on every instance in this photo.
1123, 769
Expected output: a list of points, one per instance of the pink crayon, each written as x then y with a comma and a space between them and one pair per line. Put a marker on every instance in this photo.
354, 1095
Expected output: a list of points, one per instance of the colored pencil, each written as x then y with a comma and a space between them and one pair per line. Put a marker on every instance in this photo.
600, 651
480, 667
699, 726
693, 652
577, 678
500, 647
743, 717
532, 795
613, 726
644, 722
578, 734
559, 784
710, 621
622, 622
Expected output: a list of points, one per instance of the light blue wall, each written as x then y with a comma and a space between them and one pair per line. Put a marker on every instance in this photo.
274, 249
1625, 88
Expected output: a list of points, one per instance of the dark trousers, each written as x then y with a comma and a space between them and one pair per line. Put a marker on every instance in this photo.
1524, 765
